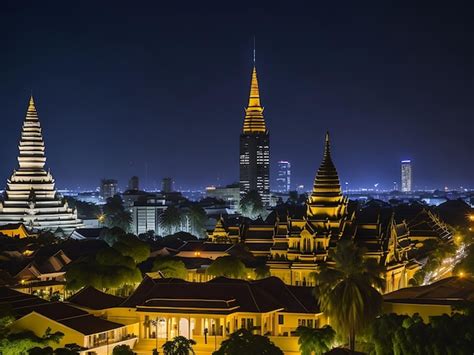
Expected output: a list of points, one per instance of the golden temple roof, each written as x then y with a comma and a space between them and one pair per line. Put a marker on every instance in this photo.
254, 121
327, 179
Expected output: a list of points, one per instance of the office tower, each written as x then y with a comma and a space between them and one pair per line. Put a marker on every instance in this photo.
167, 185
255, 147
108, 188
134, 183
283, 180
406, 175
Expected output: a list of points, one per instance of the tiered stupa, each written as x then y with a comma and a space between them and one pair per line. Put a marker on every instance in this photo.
30, 197
326, 201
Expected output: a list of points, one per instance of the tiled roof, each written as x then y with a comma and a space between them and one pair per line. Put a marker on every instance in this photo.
224, 295
90, 297
23, 304
446, 291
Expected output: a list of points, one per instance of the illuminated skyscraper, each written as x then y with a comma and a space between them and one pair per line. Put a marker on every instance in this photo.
406, 176
255, 147
31, 197
283, 180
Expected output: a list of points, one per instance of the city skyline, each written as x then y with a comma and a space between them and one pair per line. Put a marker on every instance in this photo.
320, 88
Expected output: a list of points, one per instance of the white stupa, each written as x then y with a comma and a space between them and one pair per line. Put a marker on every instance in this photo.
30, 196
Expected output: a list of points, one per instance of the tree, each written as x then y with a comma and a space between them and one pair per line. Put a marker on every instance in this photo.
227, 266
115, 214
122, 350
197, 218
251, 205
108, 269
20, 343
244, 342
170, 267
130, 245
170, 219
179, 346
315, 341
262, 271
345, 292
402, 334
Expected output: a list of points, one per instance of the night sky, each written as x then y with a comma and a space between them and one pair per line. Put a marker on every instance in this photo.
153, 89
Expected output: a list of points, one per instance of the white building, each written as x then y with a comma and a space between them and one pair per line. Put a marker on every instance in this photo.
406, 176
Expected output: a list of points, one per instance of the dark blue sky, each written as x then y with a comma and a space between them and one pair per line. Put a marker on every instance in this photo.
124, 85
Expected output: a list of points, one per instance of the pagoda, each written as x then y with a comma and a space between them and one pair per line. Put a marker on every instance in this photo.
30, 197
326, 201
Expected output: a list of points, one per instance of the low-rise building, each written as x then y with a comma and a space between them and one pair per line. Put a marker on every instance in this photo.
441, 297
93, 334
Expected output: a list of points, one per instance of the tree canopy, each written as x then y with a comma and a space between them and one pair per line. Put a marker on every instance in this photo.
115, 214
402, 334
20, 343
179, 346
244, 342
251, 205
123, 349
108, 269
315, 341
170, 220
227, 266
170, 267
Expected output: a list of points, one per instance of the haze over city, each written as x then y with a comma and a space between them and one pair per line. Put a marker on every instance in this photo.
159, 89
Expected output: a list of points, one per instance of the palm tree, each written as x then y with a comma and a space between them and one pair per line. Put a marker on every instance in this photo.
251, 205
347, 290
170, 219
179, 346
315, 341
197, 217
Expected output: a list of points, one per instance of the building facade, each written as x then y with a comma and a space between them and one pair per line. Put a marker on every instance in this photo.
167, 185
255, 147
134, 183
283, 180
108, 188
406, 175
31, 197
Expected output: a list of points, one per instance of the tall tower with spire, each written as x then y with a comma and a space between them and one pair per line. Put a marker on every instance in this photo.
326, 202
255, 147
30, 197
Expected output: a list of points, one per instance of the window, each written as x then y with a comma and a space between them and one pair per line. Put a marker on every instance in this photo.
242, 323
281, 319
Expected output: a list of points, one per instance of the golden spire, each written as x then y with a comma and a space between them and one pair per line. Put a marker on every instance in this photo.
31, 105
254, 122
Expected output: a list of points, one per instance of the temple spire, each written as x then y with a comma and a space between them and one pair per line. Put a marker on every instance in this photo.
254, 121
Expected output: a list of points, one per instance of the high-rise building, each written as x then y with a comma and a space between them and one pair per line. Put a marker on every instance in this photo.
167, 185
406, 176
108, 188
134, 183
255, 147
31, 197
283, 180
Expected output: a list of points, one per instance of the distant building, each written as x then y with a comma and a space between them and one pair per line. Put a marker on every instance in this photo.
30, 196
167, 185
255, 147
406, 176
134, 183
108, 188
230, 194
283, 180
146, 215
